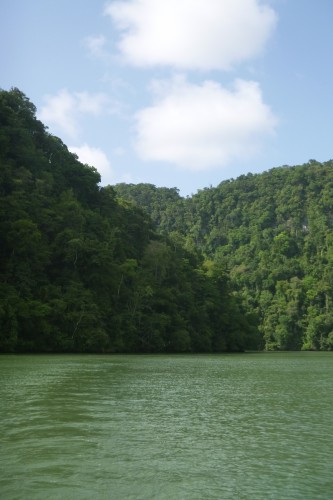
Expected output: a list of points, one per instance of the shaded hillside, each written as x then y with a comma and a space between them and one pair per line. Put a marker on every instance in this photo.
272, 234
82, 270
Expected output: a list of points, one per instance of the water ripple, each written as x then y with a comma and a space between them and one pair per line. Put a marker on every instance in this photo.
167, 427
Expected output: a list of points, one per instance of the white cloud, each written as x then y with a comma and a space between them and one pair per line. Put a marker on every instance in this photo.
65, 109
191, 34
94, 157
59, 110
203, 126
94, 104
96, 45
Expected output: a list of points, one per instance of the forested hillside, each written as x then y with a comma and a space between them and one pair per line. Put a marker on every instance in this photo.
271, 233
83, 270
136, 268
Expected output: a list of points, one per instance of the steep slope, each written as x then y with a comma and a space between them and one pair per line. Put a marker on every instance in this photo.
83, 271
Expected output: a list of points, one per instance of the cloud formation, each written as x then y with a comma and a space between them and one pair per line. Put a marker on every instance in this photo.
58, 111
94, 157
191, 34
203, 126
64, 109
96, 45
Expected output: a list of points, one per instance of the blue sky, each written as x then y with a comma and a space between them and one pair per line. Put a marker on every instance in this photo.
183, 93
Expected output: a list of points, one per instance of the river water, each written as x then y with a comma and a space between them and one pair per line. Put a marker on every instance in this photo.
243, 426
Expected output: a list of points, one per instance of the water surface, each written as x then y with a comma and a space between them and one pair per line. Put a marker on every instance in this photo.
250, 426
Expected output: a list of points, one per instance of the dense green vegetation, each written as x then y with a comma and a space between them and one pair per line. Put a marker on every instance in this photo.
272, 234
83, 270
136, 268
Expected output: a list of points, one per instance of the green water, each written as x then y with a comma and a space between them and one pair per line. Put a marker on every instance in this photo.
251, 426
